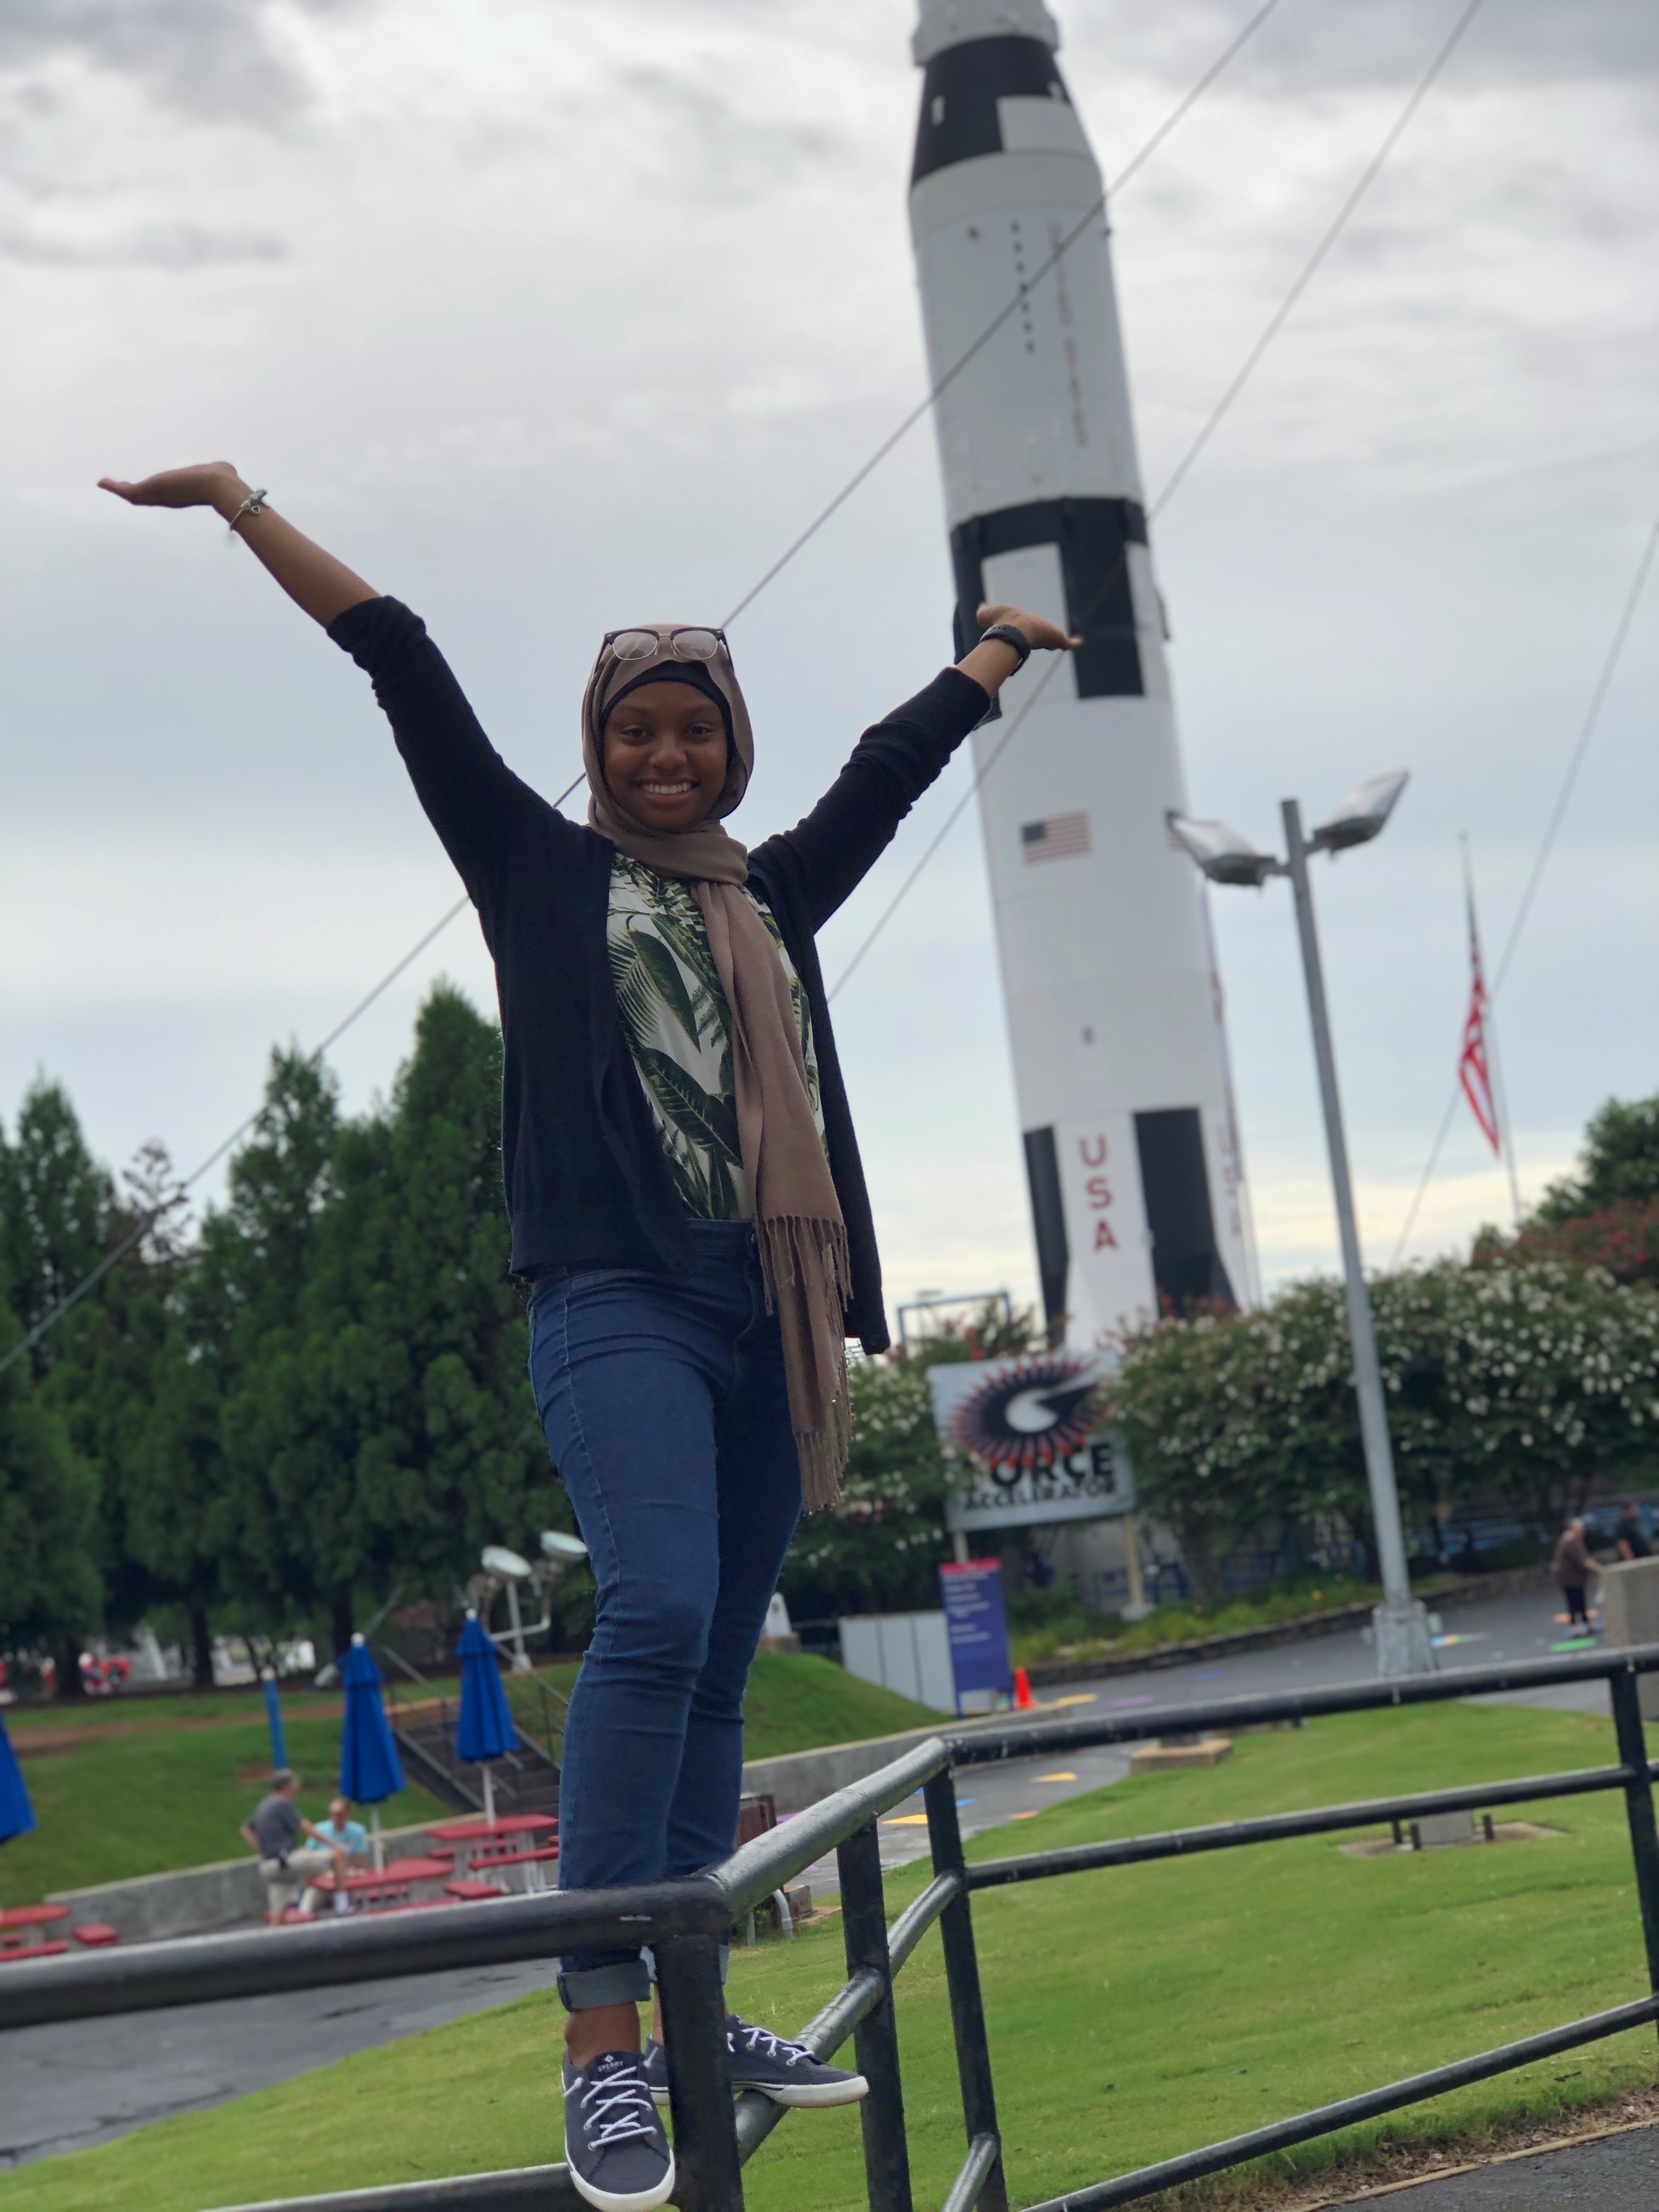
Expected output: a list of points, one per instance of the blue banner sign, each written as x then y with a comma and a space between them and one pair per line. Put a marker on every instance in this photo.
972, 1595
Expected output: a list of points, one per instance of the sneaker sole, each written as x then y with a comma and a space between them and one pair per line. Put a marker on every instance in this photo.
821, 2095
605, 2200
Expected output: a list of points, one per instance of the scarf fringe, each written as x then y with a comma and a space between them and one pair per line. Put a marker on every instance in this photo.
806, 1267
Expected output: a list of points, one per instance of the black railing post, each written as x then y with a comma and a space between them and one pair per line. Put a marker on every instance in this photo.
875, 2039
1638, 1808
956, 1928
708, 2179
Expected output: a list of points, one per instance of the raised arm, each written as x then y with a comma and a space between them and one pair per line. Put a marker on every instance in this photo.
313, 579
835, 846
470, 794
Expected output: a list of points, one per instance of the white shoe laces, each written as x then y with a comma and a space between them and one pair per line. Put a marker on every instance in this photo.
616, 2109
776, 2047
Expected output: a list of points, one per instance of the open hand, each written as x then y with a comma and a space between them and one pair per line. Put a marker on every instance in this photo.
1041, 636
204, 485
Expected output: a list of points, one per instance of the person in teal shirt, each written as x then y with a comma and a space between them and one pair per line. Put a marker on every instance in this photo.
344, 1833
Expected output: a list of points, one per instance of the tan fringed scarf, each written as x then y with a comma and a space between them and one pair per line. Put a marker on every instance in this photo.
798, 1229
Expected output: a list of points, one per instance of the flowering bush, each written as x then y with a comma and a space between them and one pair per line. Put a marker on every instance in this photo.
1521, 1381
877, 1551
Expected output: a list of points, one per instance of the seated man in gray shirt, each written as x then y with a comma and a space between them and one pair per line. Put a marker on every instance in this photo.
286, 1865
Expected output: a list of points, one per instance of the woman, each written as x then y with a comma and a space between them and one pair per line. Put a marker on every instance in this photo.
1573, 1567
686, 1205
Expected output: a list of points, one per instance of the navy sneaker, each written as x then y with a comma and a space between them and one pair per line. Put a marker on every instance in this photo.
614, 2143
785, 2072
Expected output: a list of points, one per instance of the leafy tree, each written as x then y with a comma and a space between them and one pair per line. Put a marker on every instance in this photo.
58, 1220
1605, 1216
108, 1356
1618, 1166
55, 1205
220, 1528
49, 1583
1622, 1239
388, 1430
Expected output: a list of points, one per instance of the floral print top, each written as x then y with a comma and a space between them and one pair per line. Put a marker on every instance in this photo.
679, 1029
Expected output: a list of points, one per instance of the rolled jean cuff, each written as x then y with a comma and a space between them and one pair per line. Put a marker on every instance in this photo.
726, 1961
616, 1981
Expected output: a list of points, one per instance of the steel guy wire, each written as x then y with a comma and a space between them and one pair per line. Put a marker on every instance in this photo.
1547, 846
1206, 430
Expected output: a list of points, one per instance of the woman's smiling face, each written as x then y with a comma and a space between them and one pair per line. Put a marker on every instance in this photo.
665, 754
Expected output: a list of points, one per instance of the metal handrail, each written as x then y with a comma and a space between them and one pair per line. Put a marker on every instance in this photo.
684, 1920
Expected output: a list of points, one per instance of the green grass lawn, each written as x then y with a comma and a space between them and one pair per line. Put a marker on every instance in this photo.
163, 1798
1132, 2013
159, 1796
797, 1701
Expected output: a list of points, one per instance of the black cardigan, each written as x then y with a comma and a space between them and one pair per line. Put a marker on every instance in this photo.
587, 1179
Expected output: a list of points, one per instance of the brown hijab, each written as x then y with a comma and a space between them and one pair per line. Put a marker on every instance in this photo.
798, 1228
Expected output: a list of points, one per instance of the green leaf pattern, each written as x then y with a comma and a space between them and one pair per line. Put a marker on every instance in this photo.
678, 1028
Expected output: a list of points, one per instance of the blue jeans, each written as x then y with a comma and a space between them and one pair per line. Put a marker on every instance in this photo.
666, 1409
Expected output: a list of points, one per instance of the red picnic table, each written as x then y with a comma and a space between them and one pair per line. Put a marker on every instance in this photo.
521, 1845
20, 1927
402, 1881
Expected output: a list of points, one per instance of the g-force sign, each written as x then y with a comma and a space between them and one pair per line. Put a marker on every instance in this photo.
1025, 1441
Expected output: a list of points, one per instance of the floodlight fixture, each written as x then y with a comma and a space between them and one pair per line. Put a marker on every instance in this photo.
555, 1545
1226, 855
1362, 814
498, 1561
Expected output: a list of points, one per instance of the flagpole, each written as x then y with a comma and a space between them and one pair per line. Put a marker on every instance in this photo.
1489, 1032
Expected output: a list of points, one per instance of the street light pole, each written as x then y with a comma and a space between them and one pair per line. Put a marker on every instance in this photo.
1404, 1645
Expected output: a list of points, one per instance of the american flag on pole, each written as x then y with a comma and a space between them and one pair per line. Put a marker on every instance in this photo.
1472, 1072
1059, 837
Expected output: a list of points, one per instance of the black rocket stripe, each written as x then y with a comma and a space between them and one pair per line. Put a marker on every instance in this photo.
960, 92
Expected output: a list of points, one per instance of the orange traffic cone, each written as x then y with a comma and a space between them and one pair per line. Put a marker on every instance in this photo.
1024, 1700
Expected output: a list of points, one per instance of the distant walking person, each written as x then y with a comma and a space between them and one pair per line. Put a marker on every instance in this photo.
286, 1866
686, 1202
1630, 1535
1573, 1569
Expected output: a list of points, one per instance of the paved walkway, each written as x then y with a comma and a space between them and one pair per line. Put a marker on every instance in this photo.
1619, 2174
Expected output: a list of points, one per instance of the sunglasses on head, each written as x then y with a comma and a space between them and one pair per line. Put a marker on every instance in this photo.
688, 644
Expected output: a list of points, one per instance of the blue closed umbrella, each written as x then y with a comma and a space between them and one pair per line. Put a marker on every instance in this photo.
483, 1729
17, 1814
370, 1770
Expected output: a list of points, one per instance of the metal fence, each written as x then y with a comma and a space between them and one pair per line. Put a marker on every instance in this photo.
685, 1922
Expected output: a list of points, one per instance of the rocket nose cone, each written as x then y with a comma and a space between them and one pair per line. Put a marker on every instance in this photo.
954, 22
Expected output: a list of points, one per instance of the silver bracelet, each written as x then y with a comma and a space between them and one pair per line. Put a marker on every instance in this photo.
253, 504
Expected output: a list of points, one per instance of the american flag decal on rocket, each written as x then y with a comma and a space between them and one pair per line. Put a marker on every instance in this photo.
1059, 837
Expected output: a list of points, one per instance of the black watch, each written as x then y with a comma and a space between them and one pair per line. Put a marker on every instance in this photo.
1007, 634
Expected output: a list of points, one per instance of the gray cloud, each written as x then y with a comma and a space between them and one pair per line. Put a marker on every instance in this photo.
1302, 52
220, 58
176, 245
739, 153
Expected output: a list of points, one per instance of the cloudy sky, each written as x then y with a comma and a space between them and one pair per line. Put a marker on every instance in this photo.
544, 315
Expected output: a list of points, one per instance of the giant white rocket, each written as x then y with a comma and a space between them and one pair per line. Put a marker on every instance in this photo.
1108, 971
